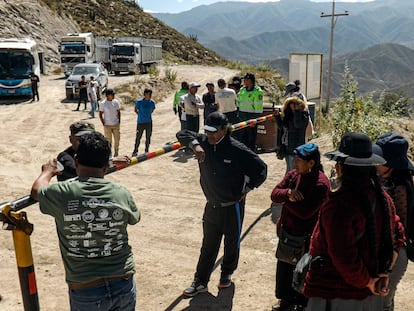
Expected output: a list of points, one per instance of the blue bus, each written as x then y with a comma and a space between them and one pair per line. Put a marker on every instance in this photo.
18, 58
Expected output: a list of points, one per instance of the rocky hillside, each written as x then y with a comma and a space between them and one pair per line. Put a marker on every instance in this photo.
47, 20
30, 19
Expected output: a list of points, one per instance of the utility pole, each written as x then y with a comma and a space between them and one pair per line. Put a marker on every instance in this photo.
333, 21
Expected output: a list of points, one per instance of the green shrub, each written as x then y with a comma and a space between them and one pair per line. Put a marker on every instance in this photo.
264, 67
193, 37
357, 114
395, 104
170, 74
126, 100
153, 71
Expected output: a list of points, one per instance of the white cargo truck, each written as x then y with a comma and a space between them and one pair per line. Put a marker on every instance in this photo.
131, 54
76, 48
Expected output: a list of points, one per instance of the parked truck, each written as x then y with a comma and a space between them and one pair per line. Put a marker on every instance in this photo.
84, 47
134, 53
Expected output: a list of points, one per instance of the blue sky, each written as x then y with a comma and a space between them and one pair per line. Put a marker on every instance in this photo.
175, 6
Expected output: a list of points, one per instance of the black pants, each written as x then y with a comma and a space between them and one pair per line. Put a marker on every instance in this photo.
248, 135
35, 93
82, 98
193, 123
233, 117
219, 221
140, 130
284, 290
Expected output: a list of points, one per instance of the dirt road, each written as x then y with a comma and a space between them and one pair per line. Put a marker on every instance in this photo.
166, 242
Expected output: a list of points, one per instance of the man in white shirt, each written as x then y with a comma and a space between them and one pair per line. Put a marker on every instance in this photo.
93, 95
226, 100
110, 115
192, 103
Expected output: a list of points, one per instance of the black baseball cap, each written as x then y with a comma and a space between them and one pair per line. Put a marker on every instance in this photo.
81, 127
216, 121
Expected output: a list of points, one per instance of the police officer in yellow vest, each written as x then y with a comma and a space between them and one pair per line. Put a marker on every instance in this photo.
250, 106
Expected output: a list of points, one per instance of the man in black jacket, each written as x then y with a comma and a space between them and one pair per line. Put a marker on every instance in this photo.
209, 100
228, 171
66, 157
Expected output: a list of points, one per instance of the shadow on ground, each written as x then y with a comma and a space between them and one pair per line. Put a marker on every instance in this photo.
182, 156
15, 100
207, 301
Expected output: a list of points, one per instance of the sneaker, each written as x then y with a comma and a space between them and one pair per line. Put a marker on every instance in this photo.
195, 288
225, 281
282, 305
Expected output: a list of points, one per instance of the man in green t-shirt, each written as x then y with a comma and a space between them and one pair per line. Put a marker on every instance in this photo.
177, 107
91, 216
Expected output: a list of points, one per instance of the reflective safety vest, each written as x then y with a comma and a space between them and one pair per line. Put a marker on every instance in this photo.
250, 101
177, 96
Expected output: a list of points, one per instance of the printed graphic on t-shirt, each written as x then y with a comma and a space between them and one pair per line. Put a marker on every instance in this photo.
94, 228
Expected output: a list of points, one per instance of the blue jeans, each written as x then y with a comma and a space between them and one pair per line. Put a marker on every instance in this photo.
94, 104
110, 295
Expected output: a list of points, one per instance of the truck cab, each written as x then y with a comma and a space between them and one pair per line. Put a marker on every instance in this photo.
133, 54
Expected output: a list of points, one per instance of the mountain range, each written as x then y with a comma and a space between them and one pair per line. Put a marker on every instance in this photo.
375, 39
258, 32
383, 67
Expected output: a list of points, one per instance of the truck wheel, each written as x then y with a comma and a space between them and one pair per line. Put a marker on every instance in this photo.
116, 73
142, 69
